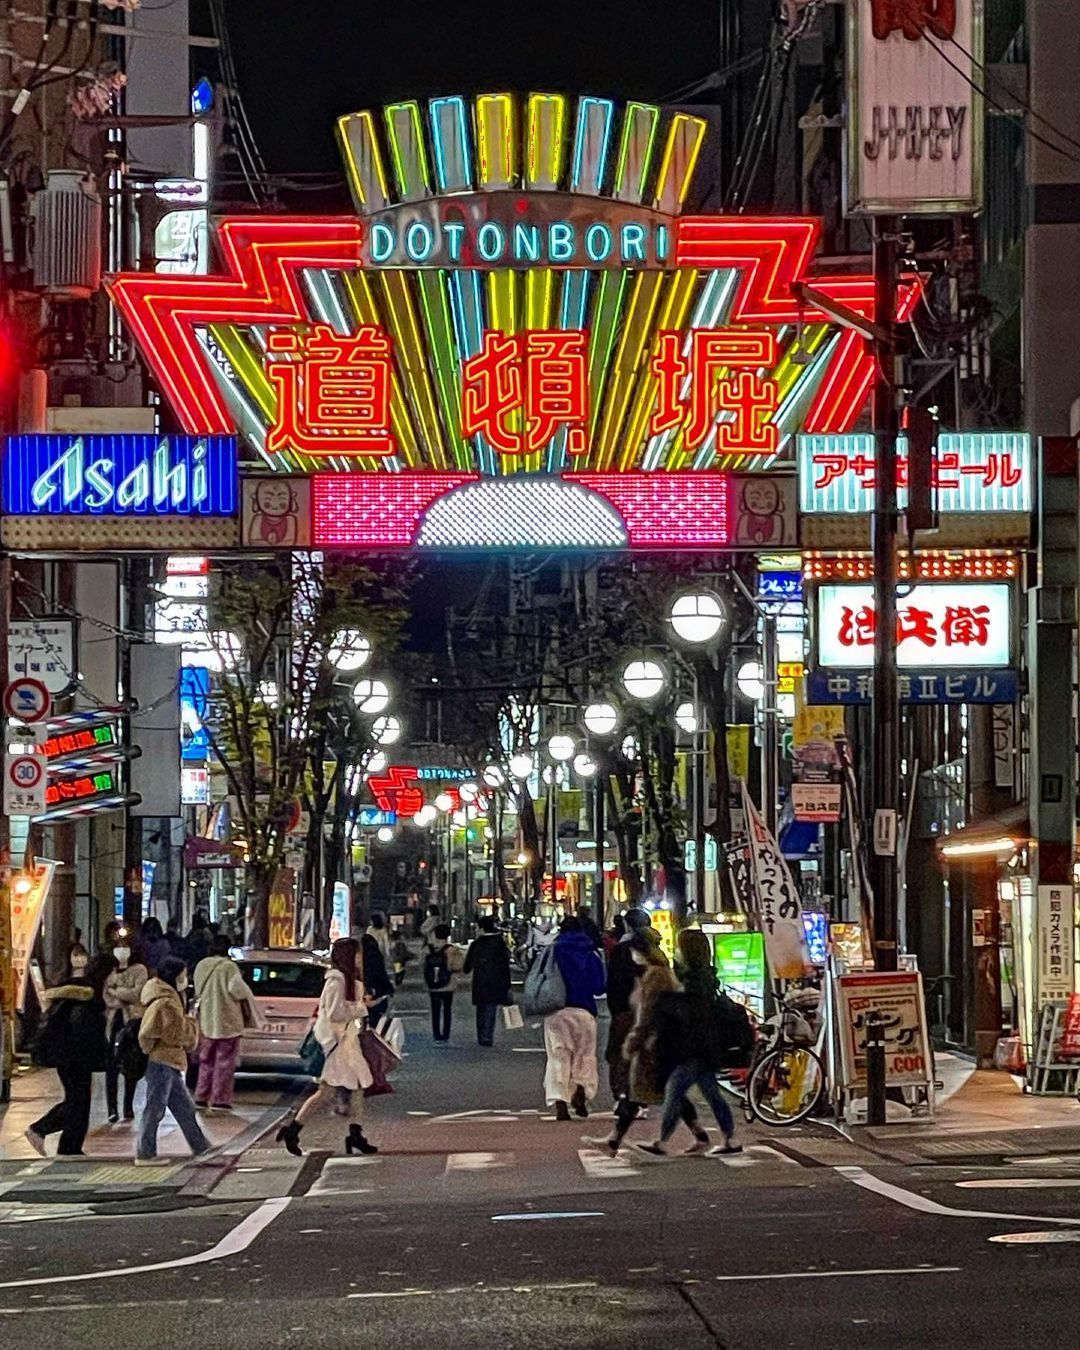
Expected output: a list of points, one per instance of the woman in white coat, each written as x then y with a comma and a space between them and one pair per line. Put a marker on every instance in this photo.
343, 1006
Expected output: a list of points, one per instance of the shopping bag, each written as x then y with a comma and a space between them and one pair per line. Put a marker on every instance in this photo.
392, 1030
544, 991
382, 1061
512, 1018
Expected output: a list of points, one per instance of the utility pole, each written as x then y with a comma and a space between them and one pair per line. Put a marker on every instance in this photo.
885, 710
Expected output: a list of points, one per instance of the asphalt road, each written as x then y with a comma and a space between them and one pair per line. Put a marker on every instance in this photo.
483, 1224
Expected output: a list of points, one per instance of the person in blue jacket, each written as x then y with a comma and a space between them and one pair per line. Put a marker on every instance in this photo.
571, 1078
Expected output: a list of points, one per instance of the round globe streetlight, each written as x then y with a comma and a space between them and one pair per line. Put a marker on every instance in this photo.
425, 815
493, 776
468, 792
521, 766
644, 679
443, 802
386, 730
601, 719
384, 834
750, 677
349, 650
584, 765
686, 718
697, 617
561, 748
372, 697
375, 762
630, 748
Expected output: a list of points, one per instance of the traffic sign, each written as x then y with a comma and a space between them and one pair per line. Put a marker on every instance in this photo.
27, 699
24, 784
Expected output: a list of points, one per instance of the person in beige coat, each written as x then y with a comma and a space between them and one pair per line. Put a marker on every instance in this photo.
166, 1034
123, 1004
226, 1005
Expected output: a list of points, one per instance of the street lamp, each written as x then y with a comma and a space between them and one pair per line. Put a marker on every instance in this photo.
686, 718
468, 792
493, 776
443, 802
371, 696
645, 679
561, 748
386, 730
750, 678
630, 748
374, 762
521, 766
697, 617
601, 719
584, 765
384, 834
349, 650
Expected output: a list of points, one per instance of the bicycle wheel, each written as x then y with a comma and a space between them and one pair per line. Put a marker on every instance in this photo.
786, 1086
759, 1053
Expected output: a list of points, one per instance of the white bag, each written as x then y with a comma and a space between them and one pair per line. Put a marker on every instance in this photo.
512, 1018
392, 1030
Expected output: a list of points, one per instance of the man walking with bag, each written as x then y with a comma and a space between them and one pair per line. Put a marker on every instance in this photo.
488, 962
442, 963
571, 1077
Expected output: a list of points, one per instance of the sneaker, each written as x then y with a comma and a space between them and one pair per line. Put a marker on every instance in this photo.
35, 1140
726, 1147
155, 1161
206, 1154
653, 1150
602, 1142
698, 1146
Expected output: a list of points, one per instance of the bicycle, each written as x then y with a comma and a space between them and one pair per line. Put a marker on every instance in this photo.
786, 1079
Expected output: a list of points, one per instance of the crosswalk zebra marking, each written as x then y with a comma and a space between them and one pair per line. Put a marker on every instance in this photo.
602, 1166
477, 1162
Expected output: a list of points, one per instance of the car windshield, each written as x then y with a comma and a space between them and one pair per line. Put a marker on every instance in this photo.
283, 979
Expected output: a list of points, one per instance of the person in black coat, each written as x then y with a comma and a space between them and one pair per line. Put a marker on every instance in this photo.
377, 981
488, 962
73, 1039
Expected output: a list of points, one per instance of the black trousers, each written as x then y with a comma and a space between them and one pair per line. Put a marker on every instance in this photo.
486, 1014
626, 1112
442, 1005
72, 1115
112, 1075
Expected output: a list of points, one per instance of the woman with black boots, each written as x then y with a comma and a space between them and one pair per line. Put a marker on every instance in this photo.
343, 1004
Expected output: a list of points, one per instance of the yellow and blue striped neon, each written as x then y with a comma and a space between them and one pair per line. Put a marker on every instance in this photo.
453, 154
573, 309
466, 310
592, 180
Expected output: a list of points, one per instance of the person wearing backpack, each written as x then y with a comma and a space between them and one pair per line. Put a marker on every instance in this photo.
226, 1006
123, 990
690, 1040
442, 963
488, 962
571, 1076
72, 1040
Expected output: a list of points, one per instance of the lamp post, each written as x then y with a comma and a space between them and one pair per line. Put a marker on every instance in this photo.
561, 749
769, 680
601, 721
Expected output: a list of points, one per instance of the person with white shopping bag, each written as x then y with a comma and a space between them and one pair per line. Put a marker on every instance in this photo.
572, 1077
345, 1073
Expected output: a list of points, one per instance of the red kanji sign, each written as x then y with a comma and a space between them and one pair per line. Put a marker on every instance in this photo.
333, 392
722, 377
542, 374
398, 790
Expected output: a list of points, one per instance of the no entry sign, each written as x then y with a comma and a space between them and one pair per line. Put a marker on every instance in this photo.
27, 699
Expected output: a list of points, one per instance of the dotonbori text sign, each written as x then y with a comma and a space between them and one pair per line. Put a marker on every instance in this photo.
939, 625
973, 472
63, 475
521, 314
914, 119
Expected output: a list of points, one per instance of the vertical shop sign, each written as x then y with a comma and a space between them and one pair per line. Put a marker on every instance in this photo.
1055, 943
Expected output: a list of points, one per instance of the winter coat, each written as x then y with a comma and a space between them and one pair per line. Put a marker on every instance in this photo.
166, 1032
337, 1032
77, 1022
581, 968
488, 962
123, 990
376, 980
649, 1072
222, 993
686, 1024
381, 937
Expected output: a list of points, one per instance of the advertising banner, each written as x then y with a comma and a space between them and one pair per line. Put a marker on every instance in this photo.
914, 119
282, 909
1054, 953
777, 901
898, 998
29, 892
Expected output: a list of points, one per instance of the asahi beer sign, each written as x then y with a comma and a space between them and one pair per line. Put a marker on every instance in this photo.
914, 120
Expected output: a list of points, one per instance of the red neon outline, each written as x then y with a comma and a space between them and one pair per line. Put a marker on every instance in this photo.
260, 285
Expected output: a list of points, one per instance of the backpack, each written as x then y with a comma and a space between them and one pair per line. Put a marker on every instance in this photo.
734, 1031
51, 1043
130, 1057
437, 969
544, 991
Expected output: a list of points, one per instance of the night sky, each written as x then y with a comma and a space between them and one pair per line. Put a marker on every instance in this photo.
301, 65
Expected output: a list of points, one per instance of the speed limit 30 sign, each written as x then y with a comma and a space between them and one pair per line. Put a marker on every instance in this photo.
24, 784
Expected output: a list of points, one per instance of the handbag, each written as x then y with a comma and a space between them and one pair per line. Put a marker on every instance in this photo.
544, 991
312, 1055
382, 1061
512, 1018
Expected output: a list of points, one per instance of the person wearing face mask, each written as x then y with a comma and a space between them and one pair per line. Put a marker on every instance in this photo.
123, 992
166, 1034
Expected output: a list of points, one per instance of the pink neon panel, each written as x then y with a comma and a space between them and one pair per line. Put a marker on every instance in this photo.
366, 510
666, 510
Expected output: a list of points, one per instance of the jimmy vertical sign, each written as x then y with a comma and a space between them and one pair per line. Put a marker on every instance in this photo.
914, 113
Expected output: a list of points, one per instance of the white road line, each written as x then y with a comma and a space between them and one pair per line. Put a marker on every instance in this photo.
238, 1240
553, 1214
474, 1289
839, 1274
1020, 1184
773, 1153
911, 1200
603, 1167
477, 1162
